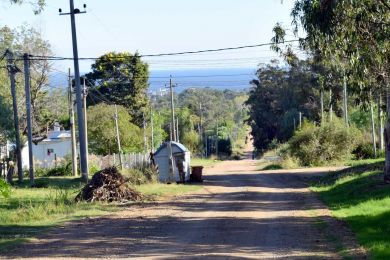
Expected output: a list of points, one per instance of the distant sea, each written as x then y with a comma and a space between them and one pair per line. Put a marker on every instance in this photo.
229, 78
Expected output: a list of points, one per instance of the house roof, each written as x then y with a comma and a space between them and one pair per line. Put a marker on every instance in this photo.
180, 146
57, 135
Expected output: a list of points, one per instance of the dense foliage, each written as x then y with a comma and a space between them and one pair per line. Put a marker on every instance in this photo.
320, 145
122, 79
20, 40
102, 130
5, 189
276, 99
351, 38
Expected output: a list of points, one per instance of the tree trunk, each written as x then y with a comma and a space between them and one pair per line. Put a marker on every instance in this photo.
330, 106
387, 140
372, 125
345, 101
380, 123
322, 105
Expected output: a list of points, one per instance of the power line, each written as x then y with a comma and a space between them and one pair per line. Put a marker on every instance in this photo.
40, 57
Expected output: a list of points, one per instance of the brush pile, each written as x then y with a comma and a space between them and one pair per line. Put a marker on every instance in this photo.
108, 185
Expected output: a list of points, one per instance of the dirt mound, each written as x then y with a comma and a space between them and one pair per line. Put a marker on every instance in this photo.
108, 185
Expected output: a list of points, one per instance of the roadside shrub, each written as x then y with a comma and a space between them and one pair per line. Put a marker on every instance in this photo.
283, 150
41, 183
289, 162
141, 174
5, 189
93, 169
320, 145
94, 163
63, 168
272, 167
365, 150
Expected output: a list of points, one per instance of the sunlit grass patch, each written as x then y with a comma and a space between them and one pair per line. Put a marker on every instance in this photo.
160, 189
359, 196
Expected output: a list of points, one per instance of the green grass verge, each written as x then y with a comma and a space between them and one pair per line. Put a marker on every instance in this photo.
31, 211
203, 162
359, 196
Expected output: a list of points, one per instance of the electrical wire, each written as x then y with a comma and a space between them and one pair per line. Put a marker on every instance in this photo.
41, 57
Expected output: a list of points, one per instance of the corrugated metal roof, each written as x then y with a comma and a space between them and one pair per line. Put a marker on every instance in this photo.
55, 135
178, 145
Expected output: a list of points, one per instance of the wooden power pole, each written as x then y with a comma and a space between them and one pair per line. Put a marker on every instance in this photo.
173, 127
28, 116
85, 93
118, 139
12, 70
72, 126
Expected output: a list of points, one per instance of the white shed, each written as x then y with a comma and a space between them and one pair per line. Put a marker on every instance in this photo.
56, 146
180, 154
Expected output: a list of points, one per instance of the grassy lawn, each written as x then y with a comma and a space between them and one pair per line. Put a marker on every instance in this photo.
359, 196
31, 211
203, 162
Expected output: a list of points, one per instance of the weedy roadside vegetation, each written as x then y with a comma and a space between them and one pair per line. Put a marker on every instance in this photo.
26, 212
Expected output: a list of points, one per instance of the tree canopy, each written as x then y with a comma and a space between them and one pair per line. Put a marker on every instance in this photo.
277, 97
102, 130
120, 78
21, 40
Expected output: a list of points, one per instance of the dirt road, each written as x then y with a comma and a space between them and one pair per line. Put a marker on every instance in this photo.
242, 213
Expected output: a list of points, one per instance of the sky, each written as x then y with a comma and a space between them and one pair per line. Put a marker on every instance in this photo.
156, 26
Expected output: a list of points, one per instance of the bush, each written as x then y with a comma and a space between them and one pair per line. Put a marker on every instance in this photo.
366, 151
319, 145
290, 163
272, 167
63, 168
5, 189
141, 174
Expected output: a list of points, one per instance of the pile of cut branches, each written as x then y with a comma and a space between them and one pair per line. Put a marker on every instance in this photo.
108, 185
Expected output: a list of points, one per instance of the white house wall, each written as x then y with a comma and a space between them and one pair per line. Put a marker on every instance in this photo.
61, 148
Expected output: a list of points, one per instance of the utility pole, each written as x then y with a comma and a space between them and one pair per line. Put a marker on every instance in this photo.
72, 126
172, 112
144, 130
372, 125
118, 137
12, 70
152, 128
80, 117
177, 130
28, 115
85, 93
216, 142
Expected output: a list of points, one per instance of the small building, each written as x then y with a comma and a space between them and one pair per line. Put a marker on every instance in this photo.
54, 148
180, 154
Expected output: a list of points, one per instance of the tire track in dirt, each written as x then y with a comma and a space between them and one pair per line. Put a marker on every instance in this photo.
242, 213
